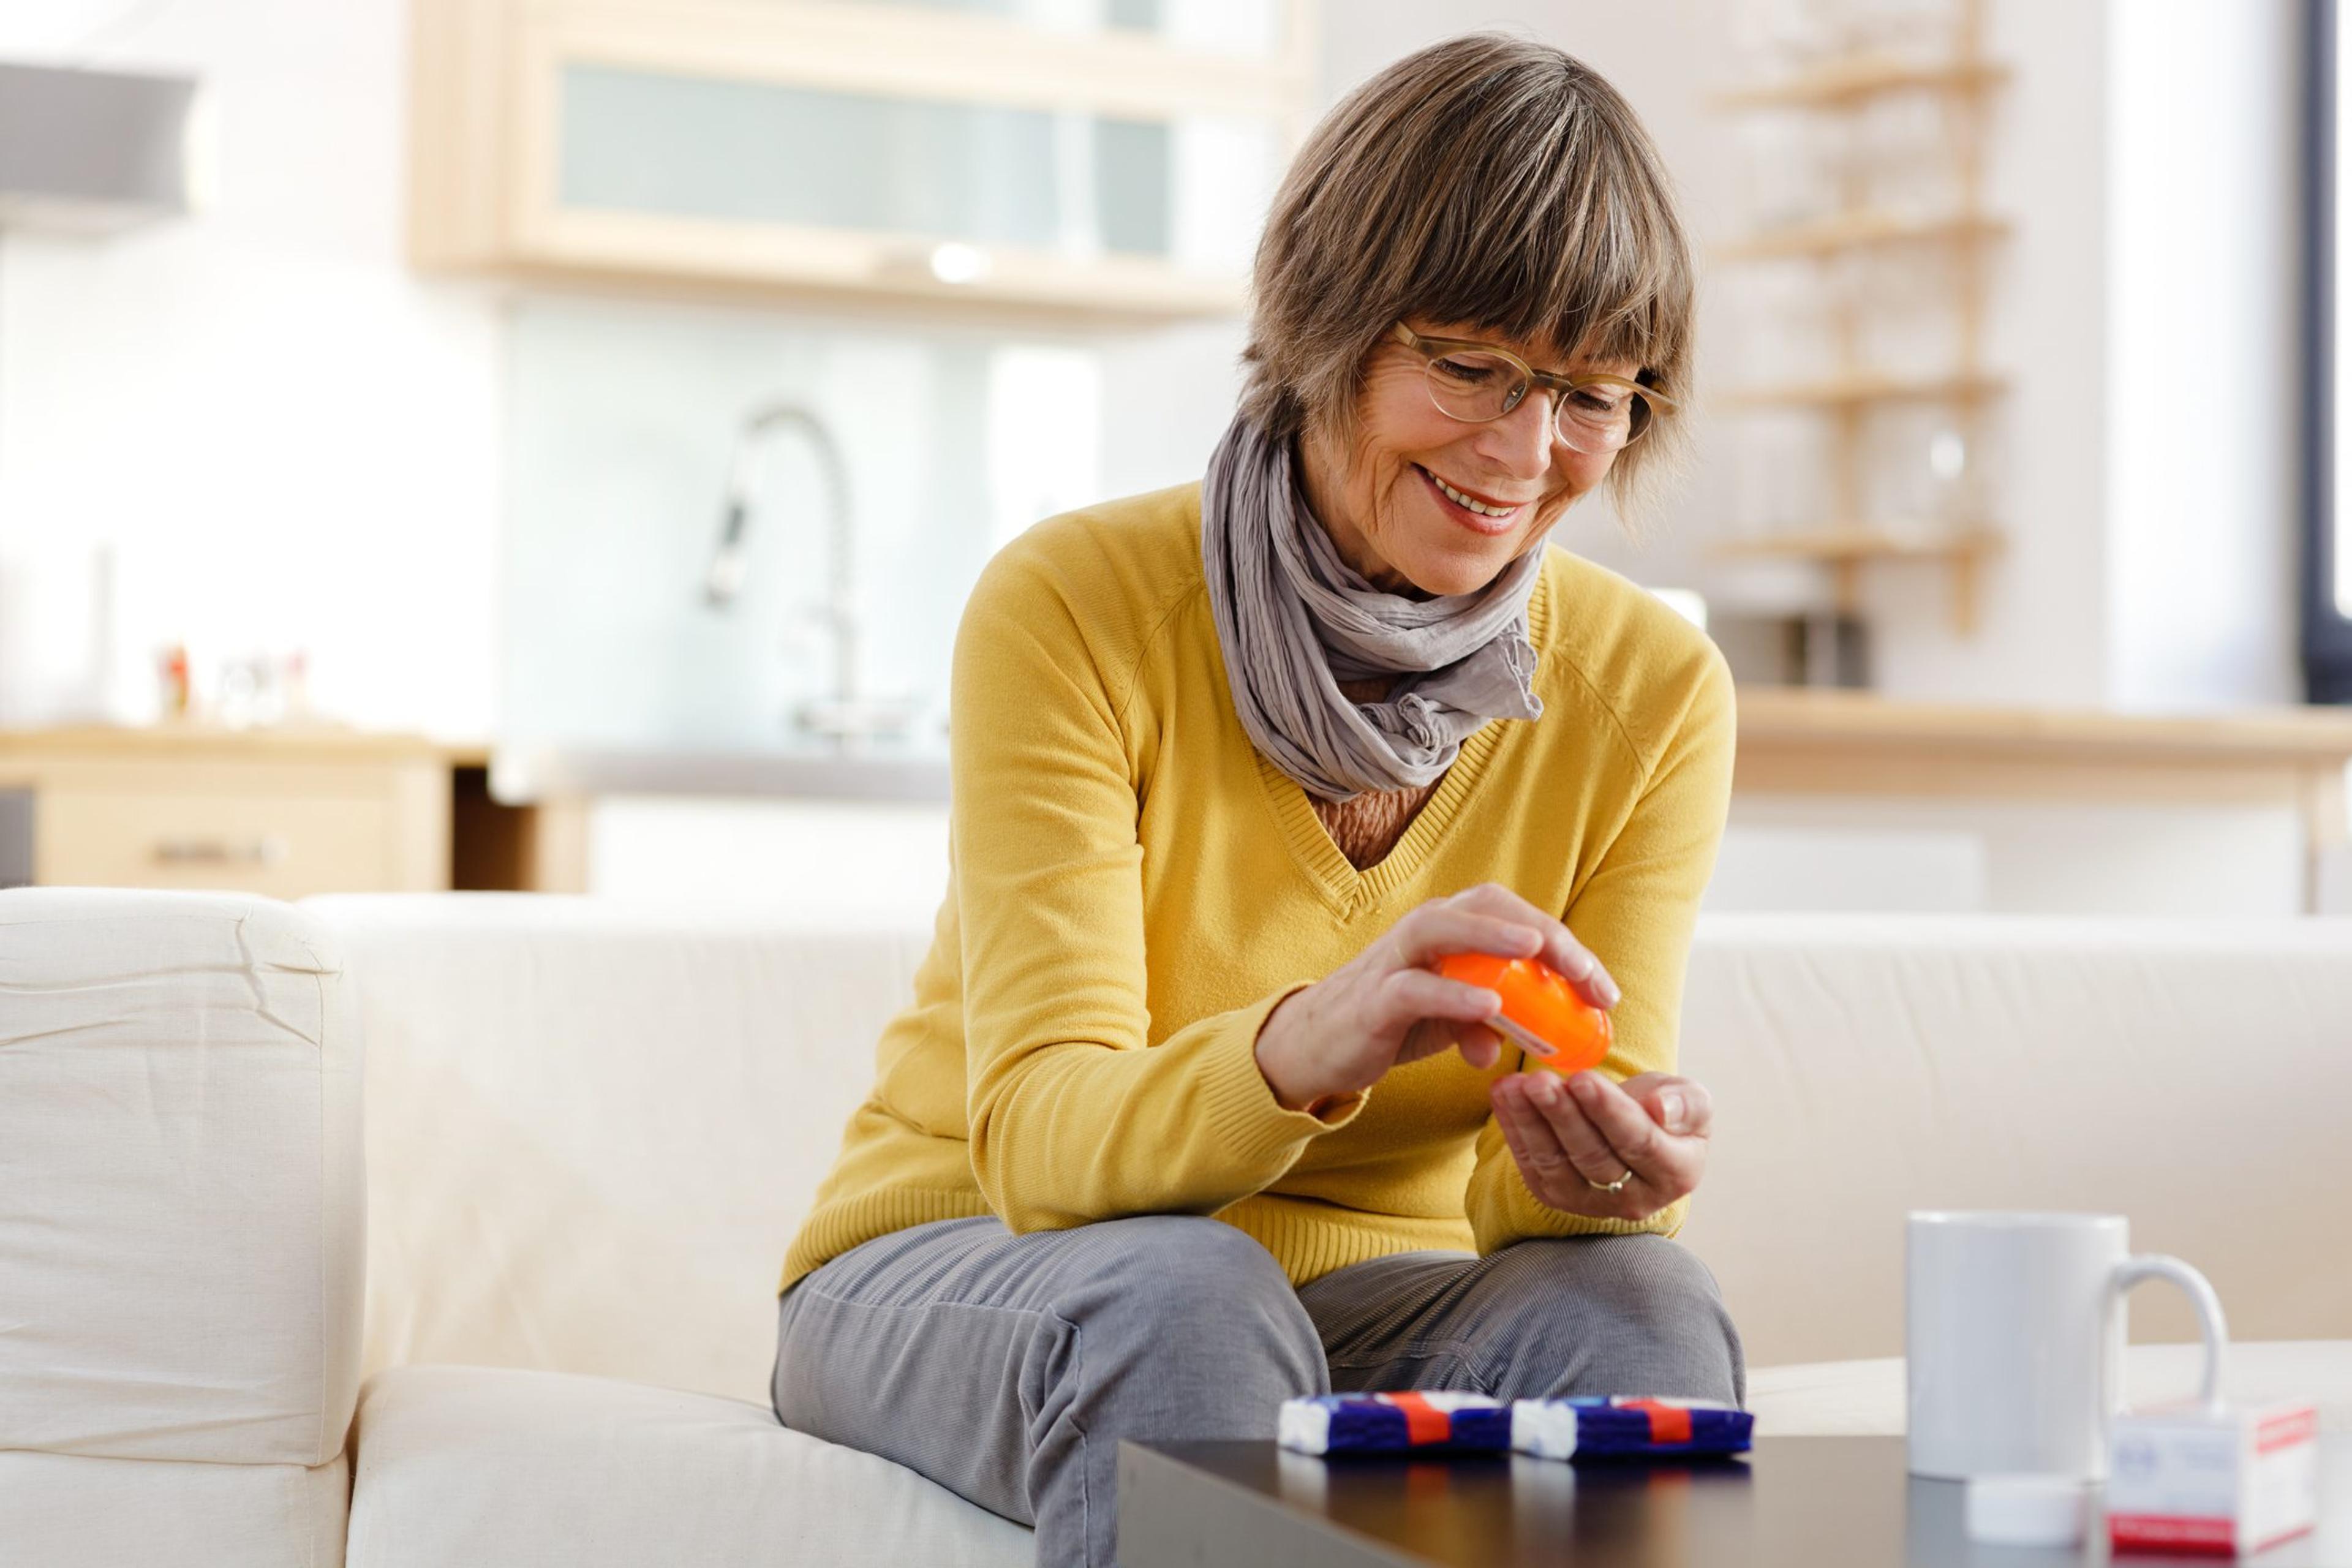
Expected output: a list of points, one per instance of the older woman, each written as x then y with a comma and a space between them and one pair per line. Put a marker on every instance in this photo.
1182, 1121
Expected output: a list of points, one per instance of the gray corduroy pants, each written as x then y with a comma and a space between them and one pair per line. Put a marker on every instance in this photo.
1007, 1368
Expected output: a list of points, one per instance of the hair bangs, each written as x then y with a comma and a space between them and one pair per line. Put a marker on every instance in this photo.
1573, 264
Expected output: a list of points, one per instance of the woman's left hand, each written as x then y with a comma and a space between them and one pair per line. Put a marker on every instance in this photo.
1568, 1135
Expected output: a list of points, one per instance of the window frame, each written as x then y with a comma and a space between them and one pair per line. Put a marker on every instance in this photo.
2327, 629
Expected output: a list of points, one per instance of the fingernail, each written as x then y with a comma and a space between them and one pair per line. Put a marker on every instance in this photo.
1587, 1086
1547, 1088
1671, 1102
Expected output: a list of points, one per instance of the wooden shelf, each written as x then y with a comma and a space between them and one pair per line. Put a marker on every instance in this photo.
1845, 550
1865, 388
1860, 230
1856, 79
1920, 540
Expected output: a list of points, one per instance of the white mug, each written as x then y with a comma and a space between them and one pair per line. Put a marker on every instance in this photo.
2015, 1327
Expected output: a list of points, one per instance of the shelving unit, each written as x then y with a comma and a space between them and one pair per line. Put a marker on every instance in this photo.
1845, 551
1848, 540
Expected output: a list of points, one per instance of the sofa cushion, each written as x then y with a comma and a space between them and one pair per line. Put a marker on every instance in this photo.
182, 1193
1865, 1398
458, 1467
67, 1510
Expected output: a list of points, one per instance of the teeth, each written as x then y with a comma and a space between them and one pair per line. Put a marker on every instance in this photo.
1458, 499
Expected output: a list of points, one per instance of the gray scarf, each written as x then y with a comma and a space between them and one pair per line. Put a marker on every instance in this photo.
1295, 620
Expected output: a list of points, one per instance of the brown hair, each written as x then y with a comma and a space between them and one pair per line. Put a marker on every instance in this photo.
1488, 180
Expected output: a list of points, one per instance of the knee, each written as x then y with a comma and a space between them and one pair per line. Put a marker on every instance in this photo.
1181, 1288
1619, 1314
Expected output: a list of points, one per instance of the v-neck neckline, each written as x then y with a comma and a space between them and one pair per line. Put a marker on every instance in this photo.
1349, 890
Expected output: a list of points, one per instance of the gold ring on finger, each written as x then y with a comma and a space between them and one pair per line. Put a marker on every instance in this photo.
1610, 1187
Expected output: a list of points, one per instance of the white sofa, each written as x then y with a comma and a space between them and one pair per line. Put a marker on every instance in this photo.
533, 1325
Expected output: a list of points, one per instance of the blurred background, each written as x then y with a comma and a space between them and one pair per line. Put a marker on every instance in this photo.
545, 444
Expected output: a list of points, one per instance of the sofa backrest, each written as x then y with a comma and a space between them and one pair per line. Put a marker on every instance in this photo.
2193, 1076
592, 1126
180, 1186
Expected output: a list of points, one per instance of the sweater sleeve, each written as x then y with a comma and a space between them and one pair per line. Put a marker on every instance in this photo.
1636, 912
1073, 1117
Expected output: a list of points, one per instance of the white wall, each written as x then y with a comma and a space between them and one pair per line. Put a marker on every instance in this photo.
2204, 127
290, 441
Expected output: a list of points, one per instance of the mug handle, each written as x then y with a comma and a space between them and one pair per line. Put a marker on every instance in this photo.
2211, 1323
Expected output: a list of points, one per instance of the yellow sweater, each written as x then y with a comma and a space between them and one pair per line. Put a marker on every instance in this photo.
1133, 888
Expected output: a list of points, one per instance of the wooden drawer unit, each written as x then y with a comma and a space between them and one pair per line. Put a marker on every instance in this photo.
274, 817
286, 846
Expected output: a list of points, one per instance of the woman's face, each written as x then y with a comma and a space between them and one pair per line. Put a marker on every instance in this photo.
1382, 504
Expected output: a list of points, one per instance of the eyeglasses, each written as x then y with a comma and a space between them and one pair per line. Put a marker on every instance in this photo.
1477, 383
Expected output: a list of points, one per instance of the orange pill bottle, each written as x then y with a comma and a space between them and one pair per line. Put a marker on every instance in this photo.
1542, 1014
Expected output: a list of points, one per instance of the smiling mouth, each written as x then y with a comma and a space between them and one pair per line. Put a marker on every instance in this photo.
1470, 501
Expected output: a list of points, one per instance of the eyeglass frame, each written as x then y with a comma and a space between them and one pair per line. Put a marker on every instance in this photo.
1557, 383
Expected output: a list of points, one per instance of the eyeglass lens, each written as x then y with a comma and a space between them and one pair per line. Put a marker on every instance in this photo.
1475, 386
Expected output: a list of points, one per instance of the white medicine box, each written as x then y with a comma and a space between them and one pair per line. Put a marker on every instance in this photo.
2231, 1481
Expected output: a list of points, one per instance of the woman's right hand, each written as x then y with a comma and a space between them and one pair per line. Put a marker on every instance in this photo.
1387, 1007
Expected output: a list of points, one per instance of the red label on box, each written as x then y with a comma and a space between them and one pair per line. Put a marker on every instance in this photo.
2285, 1431
2146, 1531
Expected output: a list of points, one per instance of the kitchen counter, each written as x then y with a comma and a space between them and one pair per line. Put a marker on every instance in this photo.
470, 814
525, 775
1777, 715
1791, 742
1853, 745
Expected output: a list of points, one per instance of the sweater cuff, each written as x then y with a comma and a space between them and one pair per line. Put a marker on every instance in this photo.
1242, 1108
1528, 1216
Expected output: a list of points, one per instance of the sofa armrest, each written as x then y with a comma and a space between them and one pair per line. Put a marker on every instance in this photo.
182, 1181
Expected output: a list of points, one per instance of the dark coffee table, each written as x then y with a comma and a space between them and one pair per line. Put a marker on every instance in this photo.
1794, 1502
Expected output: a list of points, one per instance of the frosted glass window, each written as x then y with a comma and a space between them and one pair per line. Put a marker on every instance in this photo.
1130, 186
1225, 26
706, 147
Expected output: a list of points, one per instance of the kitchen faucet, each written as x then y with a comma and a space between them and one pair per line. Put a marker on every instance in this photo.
848, 715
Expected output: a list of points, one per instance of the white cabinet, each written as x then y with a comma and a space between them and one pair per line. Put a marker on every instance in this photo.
1073, 157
